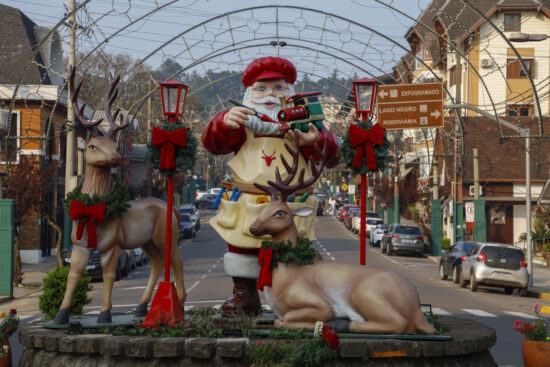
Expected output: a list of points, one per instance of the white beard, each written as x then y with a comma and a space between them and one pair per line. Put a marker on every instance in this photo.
258, 126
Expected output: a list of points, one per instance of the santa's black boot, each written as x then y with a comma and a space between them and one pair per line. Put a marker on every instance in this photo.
245, 296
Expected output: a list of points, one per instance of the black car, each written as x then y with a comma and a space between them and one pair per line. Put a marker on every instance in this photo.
94, 268
206, 201
450, 264
187, 226
321, 207
195, 216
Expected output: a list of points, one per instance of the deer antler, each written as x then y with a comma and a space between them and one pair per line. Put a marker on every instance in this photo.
112, 94
79, 111
283, 187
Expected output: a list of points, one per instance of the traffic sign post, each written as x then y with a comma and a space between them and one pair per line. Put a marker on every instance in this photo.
470, 211
410, 106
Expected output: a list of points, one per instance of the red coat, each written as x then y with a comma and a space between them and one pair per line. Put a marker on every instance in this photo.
218, 139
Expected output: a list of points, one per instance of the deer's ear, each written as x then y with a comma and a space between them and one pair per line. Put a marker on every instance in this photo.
304, 211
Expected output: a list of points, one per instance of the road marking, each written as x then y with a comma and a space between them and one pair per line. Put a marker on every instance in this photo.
328, 253
193, 286
133, 288
332, 258
266, 307
204, 276
92, 313
480, 313
217, 307
211, 301
440, 311
188, 308
209, 271
520, 314
114, 306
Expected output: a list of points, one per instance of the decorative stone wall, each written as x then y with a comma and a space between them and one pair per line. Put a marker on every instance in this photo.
43, 347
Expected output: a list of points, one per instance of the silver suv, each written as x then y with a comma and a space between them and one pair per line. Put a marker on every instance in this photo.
403, 238
495, 265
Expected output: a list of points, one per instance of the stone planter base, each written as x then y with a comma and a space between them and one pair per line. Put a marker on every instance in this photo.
41, 347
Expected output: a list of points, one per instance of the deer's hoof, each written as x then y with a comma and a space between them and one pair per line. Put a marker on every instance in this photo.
339, 325
141, 311
62, 317
104, 317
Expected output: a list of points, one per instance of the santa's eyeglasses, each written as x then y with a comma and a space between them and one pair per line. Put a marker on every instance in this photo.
264, 89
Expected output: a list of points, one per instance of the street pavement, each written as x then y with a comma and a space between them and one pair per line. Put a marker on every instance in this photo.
207, 284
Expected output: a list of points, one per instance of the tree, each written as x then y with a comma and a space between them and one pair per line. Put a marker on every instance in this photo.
26, 183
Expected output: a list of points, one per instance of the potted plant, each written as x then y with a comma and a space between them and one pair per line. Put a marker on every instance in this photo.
7, 328
535, 344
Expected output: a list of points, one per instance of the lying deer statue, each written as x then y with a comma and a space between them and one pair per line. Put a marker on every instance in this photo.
142, 225
347, 296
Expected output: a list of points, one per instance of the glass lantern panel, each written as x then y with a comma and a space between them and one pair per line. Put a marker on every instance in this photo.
166, 98
172, 100
364, 96
182, 100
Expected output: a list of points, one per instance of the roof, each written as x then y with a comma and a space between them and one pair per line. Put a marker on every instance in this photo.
482, 133
17, 43
138, 152
122, 116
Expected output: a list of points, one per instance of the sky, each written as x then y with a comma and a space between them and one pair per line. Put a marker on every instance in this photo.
326, 35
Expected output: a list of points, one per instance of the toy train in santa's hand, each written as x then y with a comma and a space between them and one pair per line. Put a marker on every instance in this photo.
299, 110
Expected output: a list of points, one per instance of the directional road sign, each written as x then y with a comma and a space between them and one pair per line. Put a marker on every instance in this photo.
410, 106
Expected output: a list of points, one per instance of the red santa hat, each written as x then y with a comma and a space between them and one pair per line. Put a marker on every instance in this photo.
269, 67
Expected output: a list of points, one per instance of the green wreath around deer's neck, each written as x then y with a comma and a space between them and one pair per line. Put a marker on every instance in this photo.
116, 200
300, 253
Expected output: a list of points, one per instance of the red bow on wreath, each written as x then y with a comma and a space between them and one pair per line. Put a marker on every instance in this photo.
77, 210
167, 141
364, 141
264, 258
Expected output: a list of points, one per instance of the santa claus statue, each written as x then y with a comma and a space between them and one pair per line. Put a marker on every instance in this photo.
257, 145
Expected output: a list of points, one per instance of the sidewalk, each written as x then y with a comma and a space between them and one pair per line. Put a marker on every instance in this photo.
25, 297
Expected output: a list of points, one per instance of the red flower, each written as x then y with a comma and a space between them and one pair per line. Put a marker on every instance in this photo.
259, 343
13, 311
8, 330
330, 337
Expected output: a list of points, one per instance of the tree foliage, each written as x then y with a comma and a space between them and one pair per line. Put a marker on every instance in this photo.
25, 184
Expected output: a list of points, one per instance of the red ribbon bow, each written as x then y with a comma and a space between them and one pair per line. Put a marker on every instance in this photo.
77, 210
364, 141
264, 258
166, 140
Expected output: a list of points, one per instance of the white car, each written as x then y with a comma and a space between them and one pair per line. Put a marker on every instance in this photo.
377, 233
370, 223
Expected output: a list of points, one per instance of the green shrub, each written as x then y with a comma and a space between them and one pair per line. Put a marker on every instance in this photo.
55, 283
446, 243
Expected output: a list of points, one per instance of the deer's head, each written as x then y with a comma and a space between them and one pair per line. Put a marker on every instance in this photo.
101, 151
277, 219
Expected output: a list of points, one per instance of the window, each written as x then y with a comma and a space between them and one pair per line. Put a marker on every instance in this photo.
13, 144
515, 71
452, 76
520, 110
512, 22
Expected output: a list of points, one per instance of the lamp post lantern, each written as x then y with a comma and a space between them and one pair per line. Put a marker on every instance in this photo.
364, 91
173, 102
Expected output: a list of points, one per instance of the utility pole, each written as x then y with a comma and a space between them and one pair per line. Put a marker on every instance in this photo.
70, 141
480, 224
458, 211
148, 186
435, 215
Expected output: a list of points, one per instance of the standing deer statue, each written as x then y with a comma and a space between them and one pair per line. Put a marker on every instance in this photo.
348, 297
142, 225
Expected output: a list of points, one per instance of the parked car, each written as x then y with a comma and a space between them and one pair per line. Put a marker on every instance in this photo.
215, 190
94, 269
377, 233
206, 201
343, 210
141, 256
370, 223
450, 264
187, 226
199, 195
195, 215
495, 265
403, 238
131, 256
350, 215
321, 207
